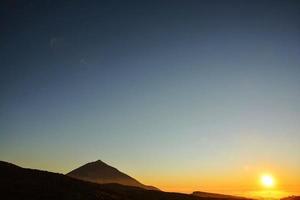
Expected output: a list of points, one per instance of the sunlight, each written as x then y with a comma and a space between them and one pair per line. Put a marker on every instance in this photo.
267, 180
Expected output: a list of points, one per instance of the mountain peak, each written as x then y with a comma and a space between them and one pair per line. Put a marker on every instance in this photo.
98, 162
100, 172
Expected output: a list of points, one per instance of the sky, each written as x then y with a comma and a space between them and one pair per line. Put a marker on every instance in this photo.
183, 95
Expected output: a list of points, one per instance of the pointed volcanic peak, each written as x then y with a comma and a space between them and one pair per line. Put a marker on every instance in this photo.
102, 173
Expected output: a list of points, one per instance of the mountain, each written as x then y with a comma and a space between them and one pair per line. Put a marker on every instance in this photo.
29, 184
100, 172
19, 183
291, 198
216, 196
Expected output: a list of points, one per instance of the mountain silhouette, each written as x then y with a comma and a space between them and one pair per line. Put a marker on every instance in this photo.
20, 183
102, 173
291, 198
216, 196
29, 184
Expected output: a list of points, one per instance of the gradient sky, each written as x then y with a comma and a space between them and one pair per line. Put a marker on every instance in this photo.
183, 95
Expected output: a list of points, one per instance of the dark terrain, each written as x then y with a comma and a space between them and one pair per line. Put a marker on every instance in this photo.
100, 172
20, 183
217, 196
291, 198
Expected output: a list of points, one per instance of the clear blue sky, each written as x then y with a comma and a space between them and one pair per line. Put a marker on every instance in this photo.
157, 87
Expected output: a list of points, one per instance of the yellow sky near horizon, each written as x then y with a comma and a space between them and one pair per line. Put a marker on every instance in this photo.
246, 182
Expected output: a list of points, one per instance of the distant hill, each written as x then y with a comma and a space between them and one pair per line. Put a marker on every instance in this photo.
100, 172
291, 198
27, 184
216, 196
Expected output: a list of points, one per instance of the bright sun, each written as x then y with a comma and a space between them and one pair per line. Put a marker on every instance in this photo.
267, 180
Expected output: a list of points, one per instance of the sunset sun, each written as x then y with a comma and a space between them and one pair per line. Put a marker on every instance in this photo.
267, 180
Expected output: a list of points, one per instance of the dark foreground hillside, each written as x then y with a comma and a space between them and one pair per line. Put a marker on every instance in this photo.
19, 183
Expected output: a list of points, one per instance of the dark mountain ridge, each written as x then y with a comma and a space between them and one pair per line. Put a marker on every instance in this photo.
291, 198
20, 183
100, 172
217, 196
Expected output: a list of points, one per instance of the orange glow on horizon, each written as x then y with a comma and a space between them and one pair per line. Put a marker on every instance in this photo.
249, 183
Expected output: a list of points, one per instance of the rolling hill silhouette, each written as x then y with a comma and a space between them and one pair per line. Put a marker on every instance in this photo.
291, 198
100, 172
19, 183
216, 196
